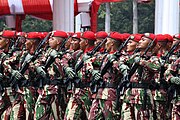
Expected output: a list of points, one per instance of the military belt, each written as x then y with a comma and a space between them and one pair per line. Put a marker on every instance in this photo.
109, 85
139, 85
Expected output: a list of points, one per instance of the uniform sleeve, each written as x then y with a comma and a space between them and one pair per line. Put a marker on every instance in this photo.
152, 64
8, 62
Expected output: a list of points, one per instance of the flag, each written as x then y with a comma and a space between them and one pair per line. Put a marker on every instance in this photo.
75, 7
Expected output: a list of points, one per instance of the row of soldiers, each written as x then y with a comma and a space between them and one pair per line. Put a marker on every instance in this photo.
94, 76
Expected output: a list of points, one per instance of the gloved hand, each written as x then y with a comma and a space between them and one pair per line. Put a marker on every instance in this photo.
85, 57
111, 57
1, 76
40, 70
16, 74
54, 53
70, 73
137, 59
96, 75
175, 80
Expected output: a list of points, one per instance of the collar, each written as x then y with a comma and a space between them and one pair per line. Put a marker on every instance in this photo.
112, 52
88, 49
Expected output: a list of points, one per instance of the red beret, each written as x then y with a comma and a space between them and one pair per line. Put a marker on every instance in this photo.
116, 36
136, 37
149, 35
59, 34
33, 35
101, 34
8, 34
161, 38
88, 35
126, 35
177, 36
22, 34
77, 35
70, 34
168, 37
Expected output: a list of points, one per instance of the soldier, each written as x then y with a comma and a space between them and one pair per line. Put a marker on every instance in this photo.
104, 104
6, 93
100, 36
138, 100
172, 77
50, 76
23, 106
79, 104
159, 89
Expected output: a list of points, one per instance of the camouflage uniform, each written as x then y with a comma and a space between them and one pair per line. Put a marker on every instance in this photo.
138, 99
79, 103
47, 104
7, 93
27, 95
104, 104
174, 71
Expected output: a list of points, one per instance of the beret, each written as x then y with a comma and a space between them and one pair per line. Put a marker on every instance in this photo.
8, 34
33, 35
59, 34
136, 37
88, 35
101, 34
77, 35
116, 36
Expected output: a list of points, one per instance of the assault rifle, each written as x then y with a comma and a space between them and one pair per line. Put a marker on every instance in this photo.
117, 54
31, 58
90, 54
125, 82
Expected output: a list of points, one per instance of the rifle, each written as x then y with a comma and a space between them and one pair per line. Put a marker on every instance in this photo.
14, 82
90, 54
62, 46
125, 82
117, 54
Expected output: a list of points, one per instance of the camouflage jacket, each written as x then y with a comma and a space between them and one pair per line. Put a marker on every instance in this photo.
141, 80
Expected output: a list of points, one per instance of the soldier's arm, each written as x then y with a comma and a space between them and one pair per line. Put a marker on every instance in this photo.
152, 64
9, 61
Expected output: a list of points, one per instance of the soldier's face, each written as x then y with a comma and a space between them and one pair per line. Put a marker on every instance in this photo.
98, 40
54, 42
131, 46
28, 44
143, 43
83, 44
175, 41
108, 44
3, 42
75, 44
68, 43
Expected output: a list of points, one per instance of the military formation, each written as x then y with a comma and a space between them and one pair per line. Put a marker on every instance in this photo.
61, 75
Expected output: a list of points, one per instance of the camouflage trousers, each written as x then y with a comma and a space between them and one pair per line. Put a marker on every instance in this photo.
78, 108
103, 109
160, 110
17, 111
136, 112
176, 111
47, 107
6, 104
